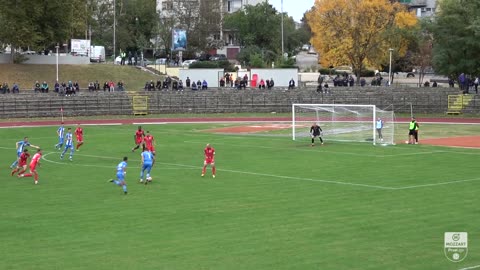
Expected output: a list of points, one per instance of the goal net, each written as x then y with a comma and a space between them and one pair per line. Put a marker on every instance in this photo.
343, 122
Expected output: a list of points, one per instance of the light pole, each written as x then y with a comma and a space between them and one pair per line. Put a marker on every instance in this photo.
56, 48
281, 7
114, 28
390, 68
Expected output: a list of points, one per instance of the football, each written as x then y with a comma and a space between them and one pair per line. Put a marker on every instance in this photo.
149, 179
406, 142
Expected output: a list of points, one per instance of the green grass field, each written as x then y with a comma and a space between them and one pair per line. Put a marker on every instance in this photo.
275, 203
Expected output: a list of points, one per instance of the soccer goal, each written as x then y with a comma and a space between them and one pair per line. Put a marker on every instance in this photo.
343, 122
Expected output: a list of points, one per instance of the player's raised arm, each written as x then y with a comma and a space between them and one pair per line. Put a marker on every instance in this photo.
35, 146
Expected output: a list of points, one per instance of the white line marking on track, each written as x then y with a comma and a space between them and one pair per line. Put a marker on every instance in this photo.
470, 267
105, 124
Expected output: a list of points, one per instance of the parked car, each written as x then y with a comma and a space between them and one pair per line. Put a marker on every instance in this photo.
146, 62
187, 63
161, 61
305, 47
218, 57
29, 52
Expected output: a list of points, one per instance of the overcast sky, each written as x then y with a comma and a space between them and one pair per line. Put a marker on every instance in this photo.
294, 8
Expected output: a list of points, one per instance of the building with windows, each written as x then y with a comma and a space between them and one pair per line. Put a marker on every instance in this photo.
226, 37
423, 8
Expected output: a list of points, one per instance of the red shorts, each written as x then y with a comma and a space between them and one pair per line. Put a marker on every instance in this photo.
138, 141
151, 149
21, 164
79, 139
33, 167
209, 160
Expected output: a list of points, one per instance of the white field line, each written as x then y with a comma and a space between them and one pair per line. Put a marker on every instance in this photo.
44, 157
273, 175
470, 267
438, 184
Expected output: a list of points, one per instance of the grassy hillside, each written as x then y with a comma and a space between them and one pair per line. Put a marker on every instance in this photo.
26, 75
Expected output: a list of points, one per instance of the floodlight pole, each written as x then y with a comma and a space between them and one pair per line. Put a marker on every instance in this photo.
114, 28
56, 58
283, 47
390, 68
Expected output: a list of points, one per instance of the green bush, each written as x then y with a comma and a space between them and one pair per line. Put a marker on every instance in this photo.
226, 65
367, 73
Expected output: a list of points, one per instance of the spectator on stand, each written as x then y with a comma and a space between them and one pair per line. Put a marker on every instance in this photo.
56, 88
245, 80
91, 87
15, 88
270, 84
227, 78
237, 83
44, 87
187, 82
120, 85
63, 88
105, 86
291, 84
204, 85
5, 88
111, 86
222, 82
96, 85
475, 84
180, 85
351, 81
261, 85
36, 87
320, 82
194, 86
76, 86
363, 82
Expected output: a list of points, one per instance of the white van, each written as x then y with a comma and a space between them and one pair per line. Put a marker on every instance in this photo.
97, 54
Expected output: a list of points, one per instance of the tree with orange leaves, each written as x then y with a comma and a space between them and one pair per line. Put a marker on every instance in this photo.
358, 32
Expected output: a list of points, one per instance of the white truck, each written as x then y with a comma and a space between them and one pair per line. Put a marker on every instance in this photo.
97, 54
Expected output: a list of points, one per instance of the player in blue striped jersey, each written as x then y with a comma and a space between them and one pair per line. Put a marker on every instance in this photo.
147, 163
68, 144
121, 172
20, 145
61, 137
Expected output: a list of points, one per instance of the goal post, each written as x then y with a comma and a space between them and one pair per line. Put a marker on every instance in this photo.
344, 122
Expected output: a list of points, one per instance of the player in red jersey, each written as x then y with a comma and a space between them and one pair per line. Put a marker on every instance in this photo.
149, 142
139, 134
22, 163
79, 135
209, 159
33, 166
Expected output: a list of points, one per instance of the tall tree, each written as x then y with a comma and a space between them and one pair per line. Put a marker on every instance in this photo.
357, 32
456, 32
